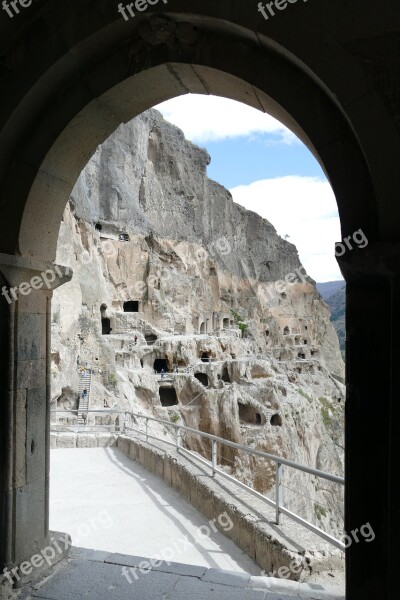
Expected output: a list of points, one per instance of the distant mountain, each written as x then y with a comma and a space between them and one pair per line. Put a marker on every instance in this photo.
334, 294
329, 288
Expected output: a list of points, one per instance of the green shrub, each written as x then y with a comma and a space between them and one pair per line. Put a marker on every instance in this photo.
239, 321
113, 379
327, 410
320, 511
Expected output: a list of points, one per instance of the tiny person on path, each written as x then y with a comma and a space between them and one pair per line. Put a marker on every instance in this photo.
136, 340
162, 373
84, 394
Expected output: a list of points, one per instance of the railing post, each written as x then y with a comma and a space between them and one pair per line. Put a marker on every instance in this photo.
214, 456
278, 492
178, 438
147, 430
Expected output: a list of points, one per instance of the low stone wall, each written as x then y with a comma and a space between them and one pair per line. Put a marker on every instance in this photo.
256, 534
68, 439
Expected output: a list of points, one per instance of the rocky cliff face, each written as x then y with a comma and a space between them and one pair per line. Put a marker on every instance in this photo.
161, 253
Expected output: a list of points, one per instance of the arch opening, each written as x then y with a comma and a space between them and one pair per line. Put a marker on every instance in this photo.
276, 420
26, 245
249, 415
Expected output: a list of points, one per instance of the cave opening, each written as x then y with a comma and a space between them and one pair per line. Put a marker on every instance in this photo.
203, 328
151, 338
203, 378
168, 397
99, 227
105, 326
131, 306
160, 364
249, 415
301, 355
225, 323
225, 375
286, 331
276, 420
206, 357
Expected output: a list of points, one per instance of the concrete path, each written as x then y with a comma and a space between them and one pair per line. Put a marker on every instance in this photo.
102, 576
107, 502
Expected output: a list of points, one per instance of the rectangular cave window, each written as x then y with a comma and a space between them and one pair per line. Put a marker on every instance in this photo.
132, 306
168, 397
161, 365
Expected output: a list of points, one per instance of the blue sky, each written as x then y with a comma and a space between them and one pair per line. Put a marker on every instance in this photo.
243, 160
268, 170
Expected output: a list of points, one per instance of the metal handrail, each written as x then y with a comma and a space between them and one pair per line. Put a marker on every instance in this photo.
283, 461
277, 504
279, 461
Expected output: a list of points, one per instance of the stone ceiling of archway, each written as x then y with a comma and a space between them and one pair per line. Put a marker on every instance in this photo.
98, 51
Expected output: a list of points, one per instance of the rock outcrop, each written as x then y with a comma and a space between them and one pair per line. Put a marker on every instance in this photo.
171, 275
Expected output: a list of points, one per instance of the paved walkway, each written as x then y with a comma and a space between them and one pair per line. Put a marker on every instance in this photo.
107, 502
101, 576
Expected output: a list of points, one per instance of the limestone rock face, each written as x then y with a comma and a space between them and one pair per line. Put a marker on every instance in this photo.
162, 254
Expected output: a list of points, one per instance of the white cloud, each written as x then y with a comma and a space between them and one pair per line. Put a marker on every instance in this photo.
303, 208
210, 118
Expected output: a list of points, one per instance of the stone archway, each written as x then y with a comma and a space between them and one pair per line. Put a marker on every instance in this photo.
97, 72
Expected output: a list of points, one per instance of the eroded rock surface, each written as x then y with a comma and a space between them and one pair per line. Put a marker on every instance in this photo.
162, 253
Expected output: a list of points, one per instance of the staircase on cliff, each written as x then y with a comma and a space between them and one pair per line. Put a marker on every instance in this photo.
85, 382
